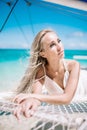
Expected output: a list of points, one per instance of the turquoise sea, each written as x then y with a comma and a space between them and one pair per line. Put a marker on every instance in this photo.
13, 63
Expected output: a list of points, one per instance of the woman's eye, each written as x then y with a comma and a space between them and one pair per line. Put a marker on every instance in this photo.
59, 40
53, 44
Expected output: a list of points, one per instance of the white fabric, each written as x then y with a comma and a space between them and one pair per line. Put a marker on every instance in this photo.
53, 88
82, 86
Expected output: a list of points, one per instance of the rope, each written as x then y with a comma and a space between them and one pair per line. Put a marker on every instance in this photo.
65, 115
8, 15
30, 16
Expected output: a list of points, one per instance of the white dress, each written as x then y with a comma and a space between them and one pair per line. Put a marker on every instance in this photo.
51, 87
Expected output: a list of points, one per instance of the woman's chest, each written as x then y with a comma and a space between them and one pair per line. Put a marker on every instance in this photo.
59, 80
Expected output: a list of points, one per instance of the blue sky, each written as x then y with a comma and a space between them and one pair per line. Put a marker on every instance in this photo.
25, 21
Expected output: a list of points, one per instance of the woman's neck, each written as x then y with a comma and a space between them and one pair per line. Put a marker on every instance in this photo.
55, 68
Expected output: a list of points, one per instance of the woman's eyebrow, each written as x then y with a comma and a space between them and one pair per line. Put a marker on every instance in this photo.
51, 42
54, 41
58, 38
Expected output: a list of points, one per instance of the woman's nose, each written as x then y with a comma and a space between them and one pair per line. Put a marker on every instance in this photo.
58, 47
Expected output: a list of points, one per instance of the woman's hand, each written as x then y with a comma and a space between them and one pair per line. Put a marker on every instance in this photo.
27, 107
21, 97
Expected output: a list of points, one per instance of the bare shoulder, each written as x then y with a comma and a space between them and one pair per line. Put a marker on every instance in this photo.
72, 64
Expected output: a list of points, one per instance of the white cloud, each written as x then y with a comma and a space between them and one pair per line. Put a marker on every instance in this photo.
79, 34
83, 45
75, 45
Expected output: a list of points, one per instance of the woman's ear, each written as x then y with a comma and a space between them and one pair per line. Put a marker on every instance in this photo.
42, 54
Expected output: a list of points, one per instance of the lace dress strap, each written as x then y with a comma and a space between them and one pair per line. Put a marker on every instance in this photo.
66, 75
65, 65
44, 70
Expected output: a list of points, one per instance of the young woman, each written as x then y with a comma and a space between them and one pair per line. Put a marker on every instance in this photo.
49, 77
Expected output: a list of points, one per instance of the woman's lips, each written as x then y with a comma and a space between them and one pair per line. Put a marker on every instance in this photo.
61, 52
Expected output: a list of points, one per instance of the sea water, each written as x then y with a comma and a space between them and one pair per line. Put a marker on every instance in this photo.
13, 63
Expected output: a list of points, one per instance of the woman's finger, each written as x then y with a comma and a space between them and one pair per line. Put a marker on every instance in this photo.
27, 111
30, 109
34, 107
26, 106
17, 112
16, 98
20, 98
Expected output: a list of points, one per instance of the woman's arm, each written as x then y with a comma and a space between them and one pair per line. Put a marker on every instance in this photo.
71, 86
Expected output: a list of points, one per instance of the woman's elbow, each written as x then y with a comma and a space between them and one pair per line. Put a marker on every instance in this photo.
63, 100
67, 100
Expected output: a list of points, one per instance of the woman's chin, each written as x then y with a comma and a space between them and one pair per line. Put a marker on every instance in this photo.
62, 55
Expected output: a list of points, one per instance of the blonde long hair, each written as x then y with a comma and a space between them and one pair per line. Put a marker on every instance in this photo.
35, 62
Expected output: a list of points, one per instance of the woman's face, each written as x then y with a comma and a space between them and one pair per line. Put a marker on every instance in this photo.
52, 47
